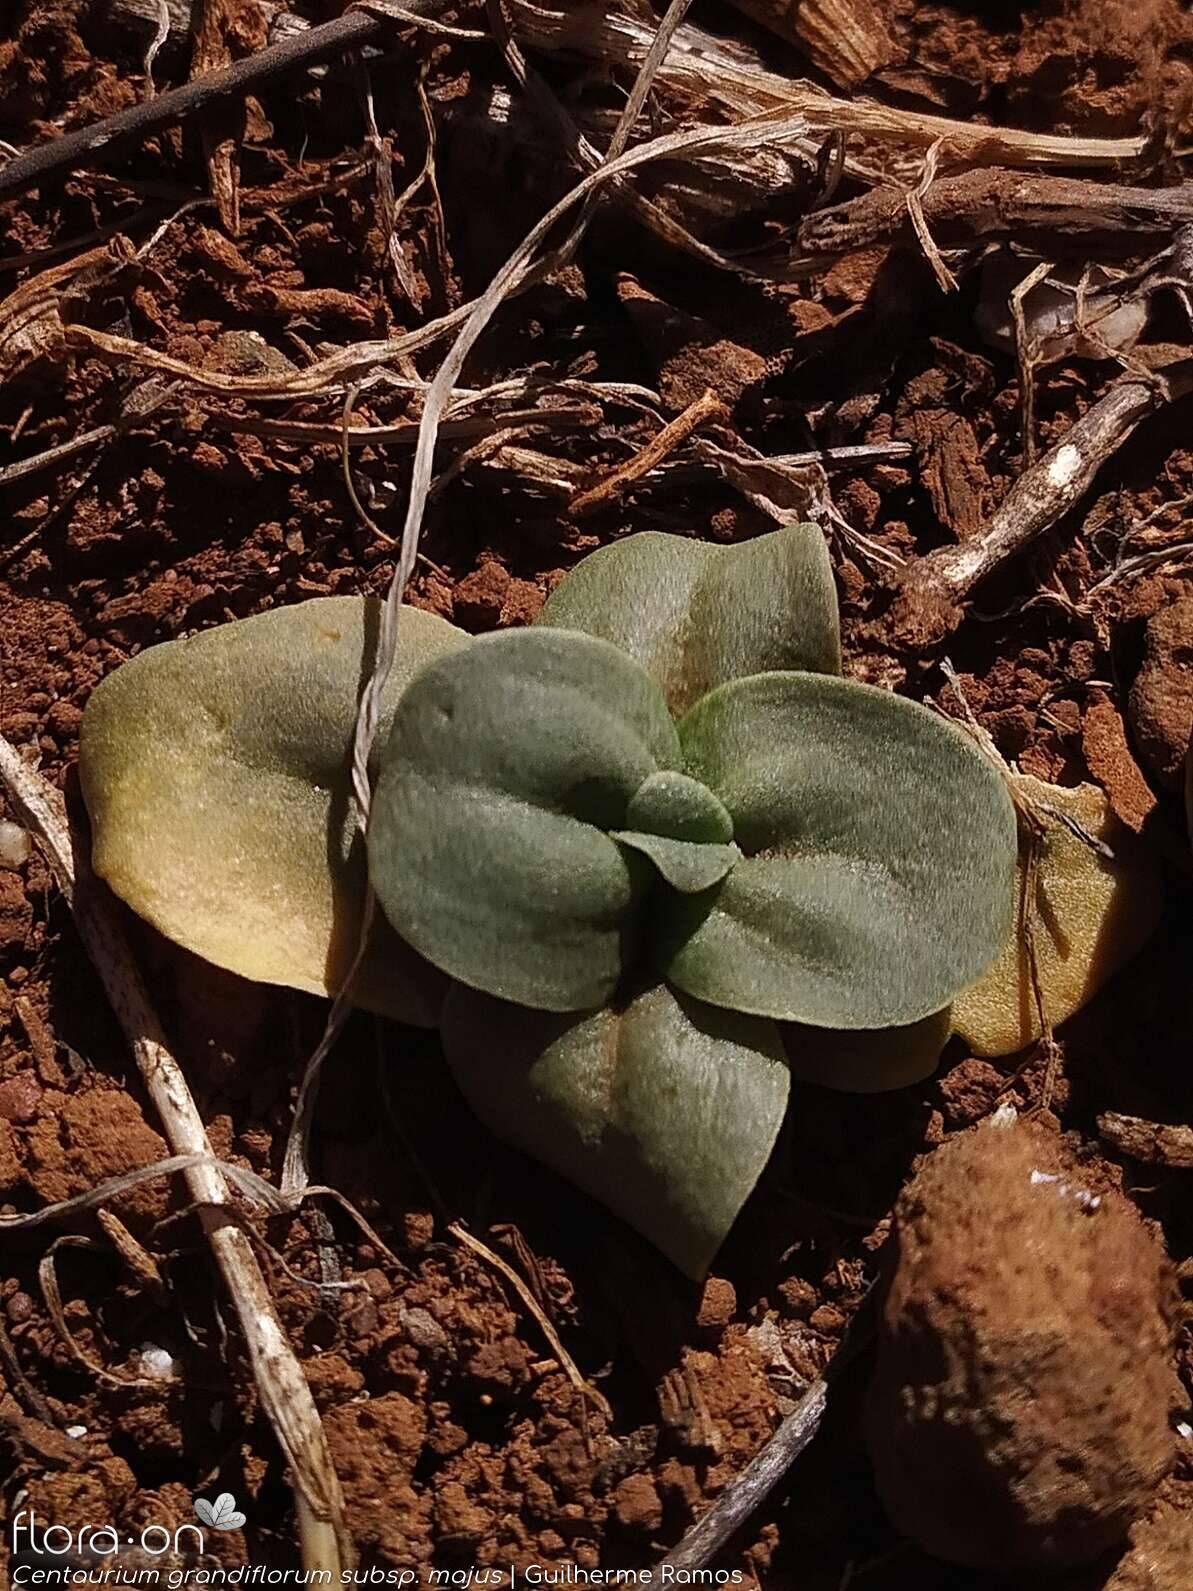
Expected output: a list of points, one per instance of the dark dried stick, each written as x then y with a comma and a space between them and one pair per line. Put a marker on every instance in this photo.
980, 206
749, 1490
614, 486
1156, 1142
113, 134
755, 1483
933, 588
281, 1385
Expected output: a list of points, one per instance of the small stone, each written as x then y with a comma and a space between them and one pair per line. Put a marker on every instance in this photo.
157, 1363
19, 1309
418, 1228
1160, 1554
828, 1318
1018, 1415
480, 596
424, 1331
1161, 700
20, 1097
16, 912
968, 1091
378, 1284
637, 1504
797, 1297
63, 720
362, 1321
15, 845
718, 1304
457, 1518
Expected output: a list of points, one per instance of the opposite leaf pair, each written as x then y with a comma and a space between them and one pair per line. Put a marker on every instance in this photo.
795, 849
629, 903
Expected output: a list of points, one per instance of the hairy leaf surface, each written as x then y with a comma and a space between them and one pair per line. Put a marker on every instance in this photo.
666, 1111
867, 1060
507, 765
878, 866
695, 615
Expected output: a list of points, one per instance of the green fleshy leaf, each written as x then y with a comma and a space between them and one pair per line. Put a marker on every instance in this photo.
680, 808
487, 845
687, 865
695, 615
879, 856
867, 1061
666, 1111
215, 771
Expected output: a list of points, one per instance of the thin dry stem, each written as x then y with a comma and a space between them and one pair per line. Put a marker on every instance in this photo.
618, 482
703, 67
946, 281
585, 1388
281, 1386
934, 587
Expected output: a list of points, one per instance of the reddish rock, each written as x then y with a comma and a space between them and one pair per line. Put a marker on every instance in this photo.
1161, 1552
16, 912
797, 1297
20, 1097
1019, 1413
1161, 701
637, 1504
10, 1162
718, 1305
480, 596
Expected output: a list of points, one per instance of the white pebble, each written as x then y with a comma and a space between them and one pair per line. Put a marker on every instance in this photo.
157, 1363
1183, 1428
15, 845
76, 1431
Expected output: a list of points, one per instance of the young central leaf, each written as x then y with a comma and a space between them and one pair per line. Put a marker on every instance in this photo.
488, 843
684, 829
680, 808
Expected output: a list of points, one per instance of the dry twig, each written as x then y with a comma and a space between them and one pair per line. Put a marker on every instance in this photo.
281, 1386
616, 484
750, 1489
221, 131
1034, 209
111, 135
585, 1388
933, 588
1157, 1143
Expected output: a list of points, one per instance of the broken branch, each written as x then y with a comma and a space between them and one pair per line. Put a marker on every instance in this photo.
1035, 210
615, 485
933, 588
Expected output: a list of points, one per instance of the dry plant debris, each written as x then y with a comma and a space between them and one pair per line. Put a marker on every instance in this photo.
201, 426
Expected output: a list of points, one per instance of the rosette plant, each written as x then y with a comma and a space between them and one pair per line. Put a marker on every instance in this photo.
658, 852
659, 845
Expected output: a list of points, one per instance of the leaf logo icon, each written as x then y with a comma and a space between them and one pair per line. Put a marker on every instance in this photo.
221, 1514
